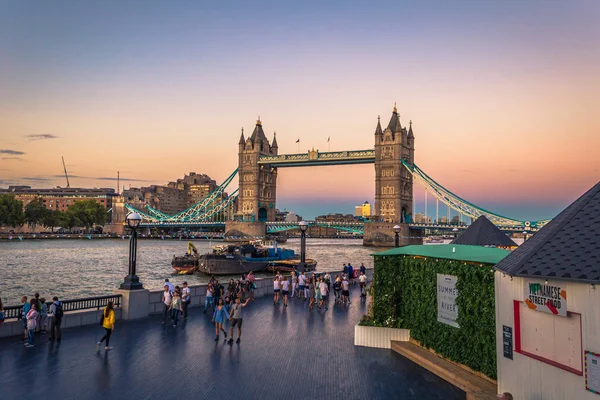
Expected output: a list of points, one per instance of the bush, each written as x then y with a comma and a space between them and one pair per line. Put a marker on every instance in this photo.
405, 295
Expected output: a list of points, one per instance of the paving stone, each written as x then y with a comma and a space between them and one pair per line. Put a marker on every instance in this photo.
291, 353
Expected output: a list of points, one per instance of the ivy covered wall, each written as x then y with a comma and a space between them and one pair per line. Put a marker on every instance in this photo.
405, 296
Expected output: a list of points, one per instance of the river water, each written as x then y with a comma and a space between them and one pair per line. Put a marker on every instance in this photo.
82, 268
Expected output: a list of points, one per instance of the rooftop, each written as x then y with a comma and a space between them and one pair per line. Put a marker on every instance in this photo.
285, 353
460, 252
483, 233
568, 247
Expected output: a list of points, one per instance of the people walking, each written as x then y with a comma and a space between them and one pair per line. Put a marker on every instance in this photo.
351, 274
167, 297
56, 315
251, 278
311, 292
186, 299
276, 290
32, 318
231, 292
362, 280
345, 290
345, 270
294, 283
217, 291
285, 290
208, 300
175, 308
108, 323
170, 285
324, 291
219, 317
337, 289
38, 304
236, 319
362, 268
327, 279
43, 316
24, 311
302, 292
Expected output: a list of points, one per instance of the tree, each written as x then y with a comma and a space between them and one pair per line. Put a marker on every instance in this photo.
68, 220
35, 212
89, 213
11, 211
52, 218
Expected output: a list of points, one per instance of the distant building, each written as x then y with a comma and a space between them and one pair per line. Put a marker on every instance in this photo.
336, 217
165, 199
286, 216
422, 219
61, 198
363, 210
196, 187
443, 220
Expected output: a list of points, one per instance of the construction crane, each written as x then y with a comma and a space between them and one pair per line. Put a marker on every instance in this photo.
65, 168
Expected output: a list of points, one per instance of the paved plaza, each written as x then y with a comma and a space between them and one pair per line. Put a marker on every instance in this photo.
284, 354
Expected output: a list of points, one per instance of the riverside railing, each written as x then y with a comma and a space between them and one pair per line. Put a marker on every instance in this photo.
88, 303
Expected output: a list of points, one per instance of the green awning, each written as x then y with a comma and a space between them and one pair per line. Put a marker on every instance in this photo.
460, 252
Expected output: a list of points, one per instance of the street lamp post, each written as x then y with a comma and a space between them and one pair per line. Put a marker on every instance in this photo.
397, 229
132, 282
303, 228
524, 236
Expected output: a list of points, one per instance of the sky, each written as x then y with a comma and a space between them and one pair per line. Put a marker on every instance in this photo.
503, 96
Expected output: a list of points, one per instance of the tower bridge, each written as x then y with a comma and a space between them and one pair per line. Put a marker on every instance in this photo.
251, 208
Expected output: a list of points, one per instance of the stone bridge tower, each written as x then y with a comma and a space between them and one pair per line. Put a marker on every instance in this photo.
393, 183
257, 187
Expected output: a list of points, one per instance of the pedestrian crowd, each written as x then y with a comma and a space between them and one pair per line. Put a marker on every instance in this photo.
225, 302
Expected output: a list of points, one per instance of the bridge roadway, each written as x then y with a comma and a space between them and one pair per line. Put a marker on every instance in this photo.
285, 353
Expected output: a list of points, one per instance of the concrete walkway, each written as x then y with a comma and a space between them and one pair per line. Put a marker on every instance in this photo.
285, 353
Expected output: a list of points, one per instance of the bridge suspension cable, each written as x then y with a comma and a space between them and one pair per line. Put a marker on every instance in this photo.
462, 206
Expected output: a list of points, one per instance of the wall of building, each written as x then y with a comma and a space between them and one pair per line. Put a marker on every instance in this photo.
528, 378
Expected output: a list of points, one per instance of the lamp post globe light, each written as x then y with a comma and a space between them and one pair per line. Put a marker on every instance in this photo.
132, 282
303, 228
397, 229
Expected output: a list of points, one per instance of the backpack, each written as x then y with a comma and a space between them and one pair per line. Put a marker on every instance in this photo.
58, 314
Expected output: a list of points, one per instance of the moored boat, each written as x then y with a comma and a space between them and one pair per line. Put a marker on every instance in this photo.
188, 263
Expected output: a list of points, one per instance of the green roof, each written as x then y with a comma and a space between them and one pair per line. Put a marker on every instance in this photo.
460, 252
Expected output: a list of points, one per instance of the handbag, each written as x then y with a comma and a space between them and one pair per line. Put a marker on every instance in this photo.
102, 319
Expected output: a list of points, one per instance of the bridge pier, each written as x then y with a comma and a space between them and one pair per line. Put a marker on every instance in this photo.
381, 234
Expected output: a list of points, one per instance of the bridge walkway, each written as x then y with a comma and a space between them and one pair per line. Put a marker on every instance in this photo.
285, 353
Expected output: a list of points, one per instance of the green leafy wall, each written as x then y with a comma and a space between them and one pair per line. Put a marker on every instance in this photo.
405, 296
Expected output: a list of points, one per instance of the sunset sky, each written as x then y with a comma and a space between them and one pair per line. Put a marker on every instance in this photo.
504, 96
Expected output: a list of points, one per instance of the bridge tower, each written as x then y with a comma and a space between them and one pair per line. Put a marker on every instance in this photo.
257, 187
393, 183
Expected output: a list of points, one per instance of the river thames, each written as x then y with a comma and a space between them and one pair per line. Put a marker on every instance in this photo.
73, 268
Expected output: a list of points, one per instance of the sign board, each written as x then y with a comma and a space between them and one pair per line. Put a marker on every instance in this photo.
507, 341
446, 300
592, 372
549, 297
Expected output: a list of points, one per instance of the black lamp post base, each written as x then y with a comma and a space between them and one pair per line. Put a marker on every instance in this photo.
132, 282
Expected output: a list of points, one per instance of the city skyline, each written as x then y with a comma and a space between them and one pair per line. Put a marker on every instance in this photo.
502, 96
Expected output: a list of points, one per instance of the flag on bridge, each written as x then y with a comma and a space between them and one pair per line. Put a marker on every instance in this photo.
298, 141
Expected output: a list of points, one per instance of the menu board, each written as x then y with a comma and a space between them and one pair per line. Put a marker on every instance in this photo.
592, 372
507, 341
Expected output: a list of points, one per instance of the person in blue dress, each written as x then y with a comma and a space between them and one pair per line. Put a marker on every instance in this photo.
221, 313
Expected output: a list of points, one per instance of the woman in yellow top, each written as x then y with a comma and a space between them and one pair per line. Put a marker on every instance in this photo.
108, 323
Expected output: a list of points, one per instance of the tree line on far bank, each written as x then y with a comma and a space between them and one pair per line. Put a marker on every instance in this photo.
84, 213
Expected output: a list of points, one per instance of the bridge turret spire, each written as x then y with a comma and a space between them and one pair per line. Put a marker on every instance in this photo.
410, 131
274, 145
242, 139
394, 125
258, 134
378, 130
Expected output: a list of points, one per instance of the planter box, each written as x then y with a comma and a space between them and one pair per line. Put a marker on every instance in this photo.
381, 338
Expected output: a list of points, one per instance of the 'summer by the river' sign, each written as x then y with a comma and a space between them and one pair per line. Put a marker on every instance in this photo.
446, 300
549, 297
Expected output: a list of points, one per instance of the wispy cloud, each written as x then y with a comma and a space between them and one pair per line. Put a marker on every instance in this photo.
41, 137
13, 158
12, 152
36, 179
121, 179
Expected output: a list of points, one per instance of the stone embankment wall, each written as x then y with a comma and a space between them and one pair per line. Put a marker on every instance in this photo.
71, 319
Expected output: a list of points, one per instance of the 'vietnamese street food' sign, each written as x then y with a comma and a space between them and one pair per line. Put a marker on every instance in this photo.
549, 297
446, 300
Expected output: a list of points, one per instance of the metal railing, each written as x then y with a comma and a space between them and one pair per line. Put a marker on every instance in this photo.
87, 303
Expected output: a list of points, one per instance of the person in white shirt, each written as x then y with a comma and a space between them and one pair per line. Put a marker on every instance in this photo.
170, 285
186, 299
324, 292
285, 290
294, 285
362, 280
303, 291
166, 300
276, 291
345, 290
